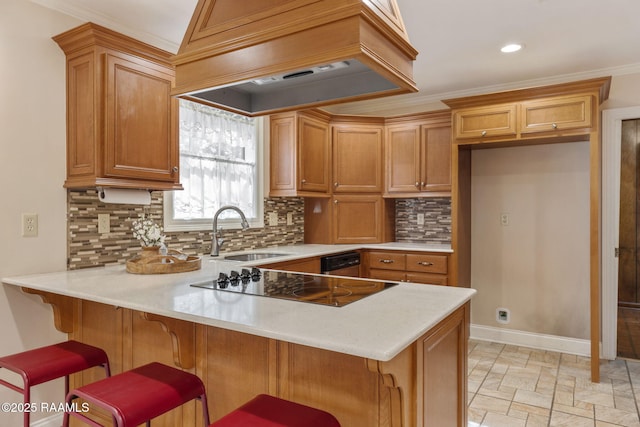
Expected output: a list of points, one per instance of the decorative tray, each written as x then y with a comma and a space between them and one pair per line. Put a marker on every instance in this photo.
173, 262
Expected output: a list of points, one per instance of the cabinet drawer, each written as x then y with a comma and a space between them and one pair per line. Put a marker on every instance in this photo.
387, 260
556, 114
428, 278
427, 263
389, 275
485, 122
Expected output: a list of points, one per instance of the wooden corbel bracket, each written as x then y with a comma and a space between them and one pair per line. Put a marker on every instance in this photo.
63, 306
182, 335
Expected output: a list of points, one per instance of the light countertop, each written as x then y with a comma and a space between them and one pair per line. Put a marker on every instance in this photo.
377, 327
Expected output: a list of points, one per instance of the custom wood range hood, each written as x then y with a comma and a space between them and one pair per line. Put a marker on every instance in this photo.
258, 57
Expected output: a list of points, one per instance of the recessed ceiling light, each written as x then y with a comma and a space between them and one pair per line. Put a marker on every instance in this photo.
510, 48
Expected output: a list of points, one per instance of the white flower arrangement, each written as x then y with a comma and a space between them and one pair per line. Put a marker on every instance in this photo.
148, 232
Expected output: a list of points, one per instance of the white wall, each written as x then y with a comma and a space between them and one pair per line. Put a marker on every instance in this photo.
537, 266
32, 171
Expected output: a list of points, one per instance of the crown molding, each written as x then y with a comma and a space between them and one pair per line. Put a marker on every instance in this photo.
87, 15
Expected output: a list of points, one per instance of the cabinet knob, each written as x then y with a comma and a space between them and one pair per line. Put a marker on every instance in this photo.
553, 125
335, 184
175, 169
335, 201
304, 181
425, 263
386, 261
484, 133
417, 184
422, 184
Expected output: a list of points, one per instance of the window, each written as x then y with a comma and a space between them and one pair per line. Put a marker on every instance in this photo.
220, 164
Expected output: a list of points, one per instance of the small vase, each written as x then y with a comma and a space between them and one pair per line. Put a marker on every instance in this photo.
148, 251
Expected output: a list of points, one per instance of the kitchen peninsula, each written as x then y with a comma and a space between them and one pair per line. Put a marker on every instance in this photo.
395, 358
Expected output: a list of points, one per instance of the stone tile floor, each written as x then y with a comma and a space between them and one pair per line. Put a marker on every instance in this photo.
511, 386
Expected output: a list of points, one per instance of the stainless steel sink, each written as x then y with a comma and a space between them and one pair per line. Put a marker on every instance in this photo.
253, 256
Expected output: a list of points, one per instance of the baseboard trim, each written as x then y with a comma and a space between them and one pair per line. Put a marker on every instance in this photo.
52, 421
529, 339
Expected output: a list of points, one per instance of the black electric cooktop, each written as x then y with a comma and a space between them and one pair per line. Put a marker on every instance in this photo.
312, 288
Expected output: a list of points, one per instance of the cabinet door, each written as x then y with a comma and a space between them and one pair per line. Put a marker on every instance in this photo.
555, 114
357, 219
313, 155
485, 122
402, 154
141, 119
357, 159
436, 159
282, 155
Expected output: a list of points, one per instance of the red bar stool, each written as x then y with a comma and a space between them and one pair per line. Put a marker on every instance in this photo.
139, 395
269, 411
44, 364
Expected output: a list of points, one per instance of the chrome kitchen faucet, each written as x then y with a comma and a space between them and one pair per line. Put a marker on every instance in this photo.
216, 241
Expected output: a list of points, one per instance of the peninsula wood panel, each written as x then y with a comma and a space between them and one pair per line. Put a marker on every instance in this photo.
235, 366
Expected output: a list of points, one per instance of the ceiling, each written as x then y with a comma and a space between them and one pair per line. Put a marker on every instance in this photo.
459, 41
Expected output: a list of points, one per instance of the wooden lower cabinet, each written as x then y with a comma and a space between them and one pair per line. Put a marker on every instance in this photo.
415, 267
423, 386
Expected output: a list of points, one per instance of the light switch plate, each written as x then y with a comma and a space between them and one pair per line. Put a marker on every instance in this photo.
273, 219
289, 218
420, 219
104, 223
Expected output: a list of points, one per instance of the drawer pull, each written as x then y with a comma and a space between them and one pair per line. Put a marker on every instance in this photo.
386, 261
483, 133
425, 263
554, 125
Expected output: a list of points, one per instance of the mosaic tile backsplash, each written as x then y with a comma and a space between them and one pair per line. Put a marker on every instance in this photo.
437, 220
87, 248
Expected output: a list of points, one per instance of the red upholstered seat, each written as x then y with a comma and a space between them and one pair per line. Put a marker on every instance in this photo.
136, 396
269, 411
47, 363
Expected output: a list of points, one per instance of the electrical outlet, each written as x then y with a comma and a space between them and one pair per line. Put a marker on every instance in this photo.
104, 223
504, 219
29, 225
290, 218
503, 315
420, 219
273, 219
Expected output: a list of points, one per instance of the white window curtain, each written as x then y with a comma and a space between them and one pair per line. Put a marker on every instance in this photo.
218, 163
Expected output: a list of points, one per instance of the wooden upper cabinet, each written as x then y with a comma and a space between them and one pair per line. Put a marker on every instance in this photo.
349, 218
313, 154
402, 155
435, 158
418, 155
485, 122
556, 114
141, 120
526, 116
357, 158
122, 123
358, 219
299, 155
